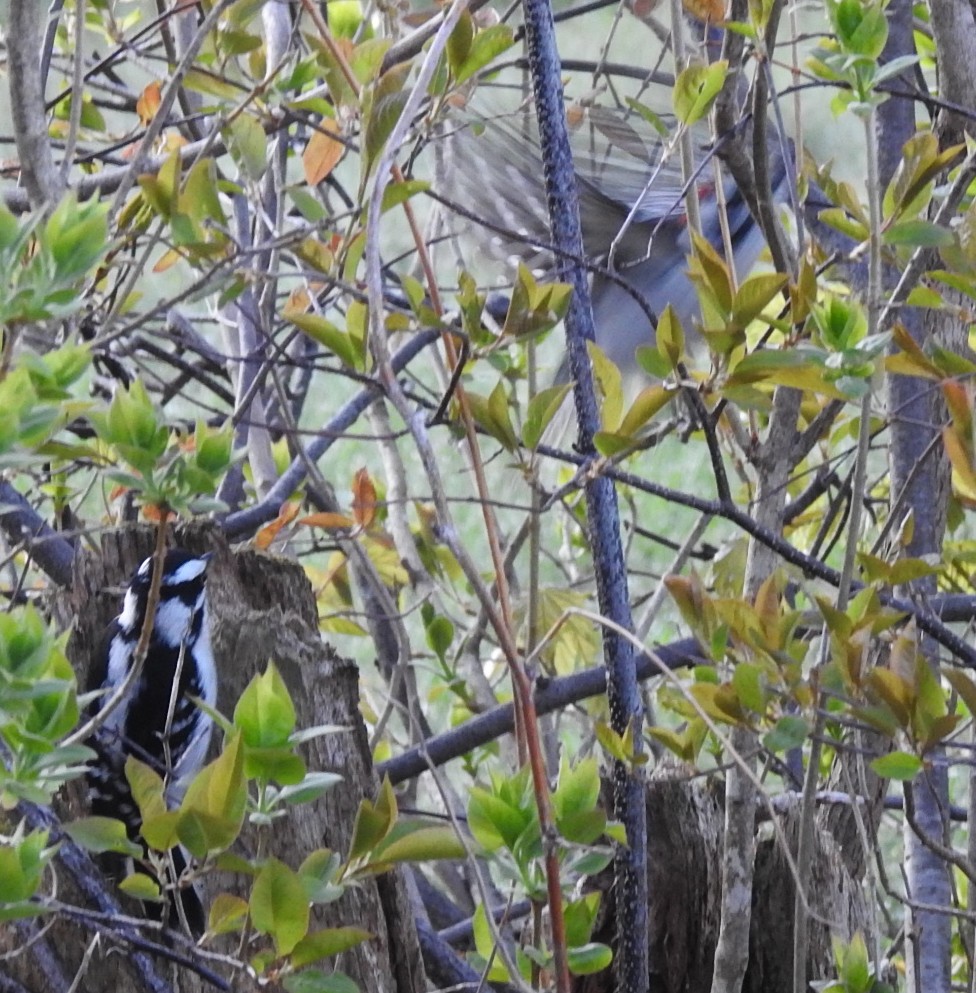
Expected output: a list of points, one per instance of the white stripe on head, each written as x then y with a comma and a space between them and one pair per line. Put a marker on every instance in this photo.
186, 573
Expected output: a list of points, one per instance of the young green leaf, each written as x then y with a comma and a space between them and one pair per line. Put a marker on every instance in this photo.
279, 906
265, 713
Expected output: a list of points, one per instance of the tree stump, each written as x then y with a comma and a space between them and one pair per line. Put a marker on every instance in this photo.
262, 609
685, 821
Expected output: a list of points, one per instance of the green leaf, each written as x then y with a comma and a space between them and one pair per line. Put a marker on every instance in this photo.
439, 631
854, 968
486, 46
248, 145
696, 88
324, 944
162, 831
22, 860
422, 844
648, 403
319, 873
142, 887
309, 788
210, 84
214, 448
790, 732
200, 194
610, 384
580, 916
799, 368
277, 764
592, 862
897, 693
578, 789
747, 679
459, 42
329, 336
133, 427
228, 914
367, 58
919, 234
265, 713
755, 294
345, 17
719, 702
160, 189
534, 308
373, 822
397, 193
315, 981
964, 686
617, 746
590, 958
10, 230
102, 834
21, 910
279, 906
147, 787
484, 942
670, 336
386, 104
212, 811
495, 822
860, 26
897, 765
491, 413
711, 275
543, 407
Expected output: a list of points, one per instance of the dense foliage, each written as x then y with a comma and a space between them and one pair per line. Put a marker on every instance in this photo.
244, 283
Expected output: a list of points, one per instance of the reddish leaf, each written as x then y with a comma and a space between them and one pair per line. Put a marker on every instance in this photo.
267, 534
710, 11
148, 102
327, 520
363, 499
322, 153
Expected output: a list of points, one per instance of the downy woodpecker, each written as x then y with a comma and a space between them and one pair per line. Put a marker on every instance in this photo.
155, 720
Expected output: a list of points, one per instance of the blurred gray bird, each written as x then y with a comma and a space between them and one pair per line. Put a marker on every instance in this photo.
632, 211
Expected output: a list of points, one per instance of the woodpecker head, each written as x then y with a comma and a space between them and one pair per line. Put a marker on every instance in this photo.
182, 599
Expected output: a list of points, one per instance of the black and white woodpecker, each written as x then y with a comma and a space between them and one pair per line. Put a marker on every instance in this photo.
156, 720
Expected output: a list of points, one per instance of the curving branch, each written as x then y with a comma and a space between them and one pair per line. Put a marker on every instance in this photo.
21, 524
550, 695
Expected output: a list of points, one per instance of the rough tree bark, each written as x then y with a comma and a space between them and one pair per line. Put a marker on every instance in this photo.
920, 489
685, 844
